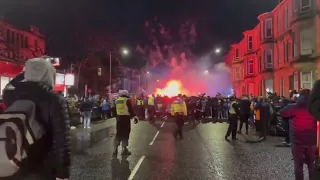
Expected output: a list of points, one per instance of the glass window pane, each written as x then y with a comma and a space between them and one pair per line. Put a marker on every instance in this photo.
4, 82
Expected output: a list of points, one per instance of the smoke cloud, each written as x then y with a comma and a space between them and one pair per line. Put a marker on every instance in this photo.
171, 57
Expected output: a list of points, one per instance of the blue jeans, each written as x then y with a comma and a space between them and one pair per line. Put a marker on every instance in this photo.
87, 119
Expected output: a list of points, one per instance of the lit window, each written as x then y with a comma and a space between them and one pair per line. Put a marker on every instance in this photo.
268, 28
250, 66
305, 5
250, 43
306, 80
268, 58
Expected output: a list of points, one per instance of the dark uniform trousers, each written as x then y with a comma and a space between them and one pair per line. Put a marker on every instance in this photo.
179, 120
233, 124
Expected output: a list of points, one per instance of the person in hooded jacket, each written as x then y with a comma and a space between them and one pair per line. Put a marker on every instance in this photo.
303, 127
51, 159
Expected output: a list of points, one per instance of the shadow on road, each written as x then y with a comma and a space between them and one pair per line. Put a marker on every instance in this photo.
120, 168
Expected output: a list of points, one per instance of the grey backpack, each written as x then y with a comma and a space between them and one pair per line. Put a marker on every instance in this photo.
19, 130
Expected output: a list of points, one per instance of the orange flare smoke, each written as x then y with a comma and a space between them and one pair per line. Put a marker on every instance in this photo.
172, 88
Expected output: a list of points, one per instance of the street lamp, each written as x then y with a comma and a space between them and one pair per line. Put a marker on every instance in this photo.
158, 80
124, 52
217, 51
148, 72
206, 72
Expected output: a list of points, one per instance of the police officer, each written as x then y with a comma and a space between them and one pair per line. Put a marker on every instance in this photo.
140, 107
124, 114
234, 113
179, 112
151, 108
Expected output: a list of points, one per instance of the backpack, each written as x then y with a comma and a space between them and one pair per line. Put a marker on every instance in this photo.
19, 130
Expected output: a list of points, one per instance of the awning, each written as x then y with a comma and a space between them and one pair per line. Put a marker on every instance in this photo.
10, 69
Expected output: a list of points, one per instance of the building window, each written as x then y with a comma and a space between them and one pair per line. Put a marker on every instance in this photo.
260, 64
285, 18
8, 40
306, 80
279, 24
294, 45
250, 66
268, 28
21, 41
4, 82
289, 50
278, 55
237, 53
281, 87
36, 45
250, 43
12, 37
238, 73
306, 36
268, 58
294, 6
305, 5
26, 42
285, 53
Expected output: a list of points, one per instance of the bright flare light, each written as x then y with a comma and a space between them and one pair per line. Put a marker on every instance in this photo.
172, 88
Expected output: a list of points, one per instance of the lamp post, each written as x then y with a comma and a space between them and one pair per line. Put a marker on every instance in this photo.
124, 52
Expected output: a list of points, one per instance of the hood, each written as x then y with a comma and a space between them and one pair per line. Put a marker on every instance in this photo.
244, 98
40, 70
302, 100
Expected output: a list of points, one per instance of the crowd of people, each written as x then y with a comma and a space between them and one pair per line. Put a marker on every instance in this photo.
39, 120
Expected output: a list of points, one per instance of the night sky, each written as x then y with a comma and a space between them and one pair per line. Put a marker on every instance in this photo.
220, 22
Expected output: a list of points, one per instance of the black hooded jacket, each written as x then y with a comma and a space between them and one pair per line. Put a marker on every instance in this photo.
52, 111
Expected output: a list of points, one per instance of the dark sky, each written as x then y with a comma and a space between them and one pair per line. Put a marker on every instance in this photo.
219, 21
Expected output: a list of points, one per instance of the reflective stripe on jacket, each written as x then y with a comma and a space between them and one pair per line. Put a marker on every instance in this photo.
121, 106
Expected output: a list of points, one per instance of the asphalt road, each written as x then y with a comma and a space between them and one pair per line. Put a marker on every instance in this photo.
202, 154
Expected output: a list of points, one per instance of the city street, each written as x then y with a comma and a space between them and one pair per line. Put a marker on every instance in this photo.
156, 155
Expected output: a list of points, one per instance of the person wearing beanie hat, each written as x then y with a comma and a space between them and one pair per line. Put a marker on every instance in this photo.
303, 134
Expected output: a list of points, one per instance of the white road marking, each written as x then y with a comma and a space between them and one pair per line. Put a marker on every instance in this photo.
154, 138
136, 168
162, 124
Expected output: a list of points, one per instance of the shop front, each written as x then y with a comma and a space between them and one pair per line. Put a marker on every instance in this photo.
8, 71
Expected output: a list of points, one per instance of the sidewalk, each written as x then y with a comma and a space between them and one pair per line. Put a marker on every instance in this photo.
95, 126
82, 139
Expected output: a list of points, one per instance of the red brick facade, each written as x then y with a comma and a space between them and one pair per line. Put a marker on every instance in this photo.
16, 46
281, 53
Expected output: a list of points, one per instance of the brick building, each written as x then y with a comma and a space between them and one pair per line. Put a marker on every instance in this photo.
280, 53
16, 46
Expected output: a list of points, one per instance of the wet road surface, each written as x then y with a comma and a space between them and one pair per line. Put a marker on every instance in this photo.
202, 154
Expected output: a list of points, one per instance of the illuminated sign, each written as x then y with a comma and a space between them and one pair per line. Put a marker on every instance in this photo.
60, 78
69, 79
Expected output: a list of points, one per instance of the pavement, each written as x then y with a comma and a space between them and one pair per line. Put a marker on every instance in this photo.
202, 154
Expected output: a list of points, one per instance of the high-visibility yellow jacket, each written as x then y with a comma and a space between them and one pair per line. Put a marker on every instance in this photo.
121, 106
178, 106
151, 101
139, 102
